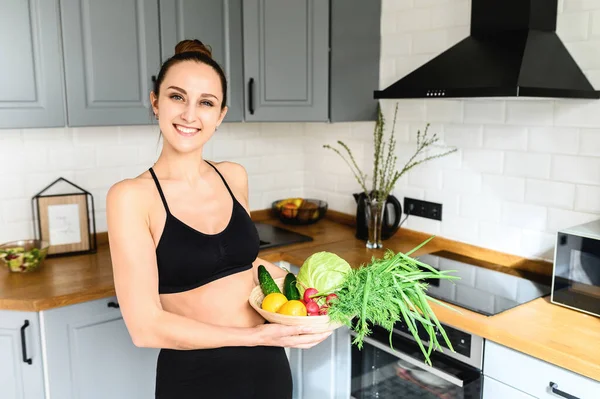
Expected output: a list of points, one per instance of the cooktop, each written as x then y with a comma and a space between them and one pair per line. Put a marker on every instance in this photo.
483, 287
273, 236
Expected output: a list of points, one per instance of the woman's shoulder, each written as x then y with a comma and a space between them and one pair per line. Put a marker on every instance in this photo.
231, 171
134, 190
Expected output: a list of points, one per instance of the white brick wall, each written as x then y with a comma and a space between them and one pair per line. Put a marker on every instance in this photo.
524, 169
97, 157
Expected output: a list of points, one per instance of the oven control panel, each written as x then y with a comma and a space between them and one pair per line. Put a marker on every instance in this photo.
460, 340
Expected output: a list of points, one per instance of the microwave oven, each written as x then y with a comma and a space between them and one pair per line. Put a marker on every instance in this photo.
576, 269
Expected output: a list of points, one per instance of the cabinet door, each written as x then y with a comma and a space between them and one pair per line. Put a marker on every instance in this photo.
493, 389
355, 53
323, 371
286, 60
90, 354
111, 52
31, 84
21, 369
533, 376
217, 24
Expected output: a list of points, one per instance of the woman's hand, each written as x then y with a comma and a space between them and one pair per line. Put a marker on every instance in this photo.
288, 336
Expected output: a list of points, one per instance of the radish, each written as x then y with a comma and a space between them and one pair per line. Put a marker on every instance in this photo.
308, 293
323, 310
330, 297
312, 308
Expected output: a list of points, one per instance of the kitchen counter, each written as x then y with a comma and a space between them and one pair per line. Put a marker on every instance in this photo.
549, 332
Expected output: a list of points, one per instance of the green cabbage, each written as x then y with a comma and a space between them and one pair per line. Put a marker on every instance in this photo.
324, 271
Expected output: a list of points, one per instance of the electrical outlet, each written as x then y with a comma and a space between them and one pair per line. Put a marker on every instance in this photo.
424, 209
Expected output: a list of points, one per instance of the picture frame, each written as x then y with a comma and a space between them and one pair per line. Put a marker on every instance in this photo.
65, 219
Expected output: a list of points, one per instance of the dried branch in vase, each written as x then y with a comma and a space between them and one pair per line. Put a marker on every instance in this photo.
385, 173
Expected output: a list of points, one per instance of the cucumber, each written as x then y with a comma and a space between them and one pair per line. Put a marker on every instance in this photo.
267, 284
290, 290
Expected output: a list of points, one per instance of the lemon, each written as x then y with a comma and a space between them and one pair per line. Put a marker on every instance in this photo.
273, 302
293, 308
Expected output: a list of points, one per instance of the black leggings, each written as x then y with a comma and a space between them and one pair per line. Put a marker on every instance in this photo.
261, 372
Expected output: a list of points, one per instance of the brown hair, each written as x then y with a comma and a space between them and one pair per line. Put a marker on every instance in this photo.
192, 50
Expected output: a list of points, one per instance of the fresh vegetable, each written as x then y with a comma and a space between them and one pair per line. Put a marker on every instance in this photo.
324, 271
312, 308
267, 284
330, 298
385, 291
290, 290
308, 293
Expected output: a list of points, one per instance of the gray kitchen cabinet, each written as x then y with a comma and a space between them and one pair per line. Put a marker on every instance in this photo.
111, 51
531, 376
31, 84
21, 368
493, 389
217, 24
323, 371
90, 354
286, 60
354, 62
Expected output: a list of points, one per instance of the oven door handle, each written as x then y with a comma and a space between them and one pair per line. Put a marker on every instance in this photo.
445, 376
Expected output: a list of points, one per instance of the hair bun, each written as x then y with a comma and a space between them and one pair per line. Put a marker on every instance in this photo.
196, 45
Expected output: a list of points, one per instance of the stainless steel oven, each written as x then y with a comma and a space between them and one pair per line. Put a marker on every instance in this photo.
378, 371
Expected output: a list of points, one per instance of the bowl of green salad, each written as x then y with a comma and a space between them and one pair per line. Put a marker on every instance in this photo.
24, 255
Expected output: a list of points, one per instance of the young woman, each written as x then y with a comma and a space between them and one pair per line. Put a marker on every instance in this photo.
184, 252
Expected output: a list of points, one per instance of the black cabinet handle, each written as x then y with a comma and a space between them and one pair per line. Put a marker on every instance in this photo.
251, 96
24, 343
113, 305
556, 391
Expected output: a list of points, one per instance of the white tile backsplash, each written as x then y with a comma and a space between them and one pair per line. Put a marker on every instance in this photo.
493, 111
503, 137
525, 167
527, 164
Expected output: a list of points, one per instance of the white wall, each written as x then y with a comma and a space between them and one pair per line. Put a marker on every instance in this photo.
97, 157
525, 168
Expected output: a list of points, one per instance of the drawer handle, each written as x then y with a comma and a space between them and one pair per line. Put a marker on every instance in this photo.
113, 305
24, 343
556, 391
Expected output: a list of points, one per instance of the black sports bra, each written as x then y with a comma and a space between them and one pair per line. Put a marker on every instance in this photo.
188, 258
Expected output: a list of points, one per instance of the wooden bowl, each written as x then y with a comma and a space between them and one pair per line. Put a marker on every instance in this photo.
318, 323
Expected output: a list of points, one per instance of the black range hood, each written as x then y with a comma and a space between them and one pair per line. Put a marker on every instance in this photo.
512, 51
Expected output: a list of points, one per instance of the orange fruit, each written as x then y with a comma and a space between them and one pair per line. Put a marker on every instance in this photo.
273, 302
293, 308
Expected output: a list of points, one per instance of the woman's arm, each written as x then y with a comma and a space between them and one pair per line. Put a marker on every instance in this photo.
136, 283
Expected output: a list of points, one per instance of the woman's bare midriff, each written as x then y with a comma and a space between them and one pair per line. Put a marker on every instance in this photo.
223, 302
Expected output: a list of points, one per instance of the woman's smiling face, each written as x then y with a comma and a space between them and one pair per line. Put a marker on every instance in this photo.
189, 105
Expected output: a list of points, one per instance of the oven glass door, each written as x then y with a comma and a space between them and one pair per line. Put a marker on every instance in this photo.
382, 373
576, 280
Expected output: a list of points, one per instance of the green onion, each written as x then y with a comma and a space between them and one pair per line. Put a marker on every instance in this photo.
387, 290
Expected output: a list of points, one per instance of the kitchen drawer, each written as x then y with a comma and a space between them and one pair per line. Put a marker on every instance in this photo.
493, 389
533, 376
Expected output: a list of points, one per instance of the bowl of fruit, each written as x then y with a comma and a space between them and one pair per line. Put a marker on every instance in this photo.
279, 301
299, 211
24, 255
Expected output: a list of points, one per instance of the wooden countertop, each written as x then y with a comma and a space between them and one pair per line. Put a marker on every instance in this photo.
549, 332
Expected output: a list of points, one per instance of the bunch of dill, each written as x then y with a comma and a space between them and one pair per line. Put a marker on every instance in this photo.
387, 290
